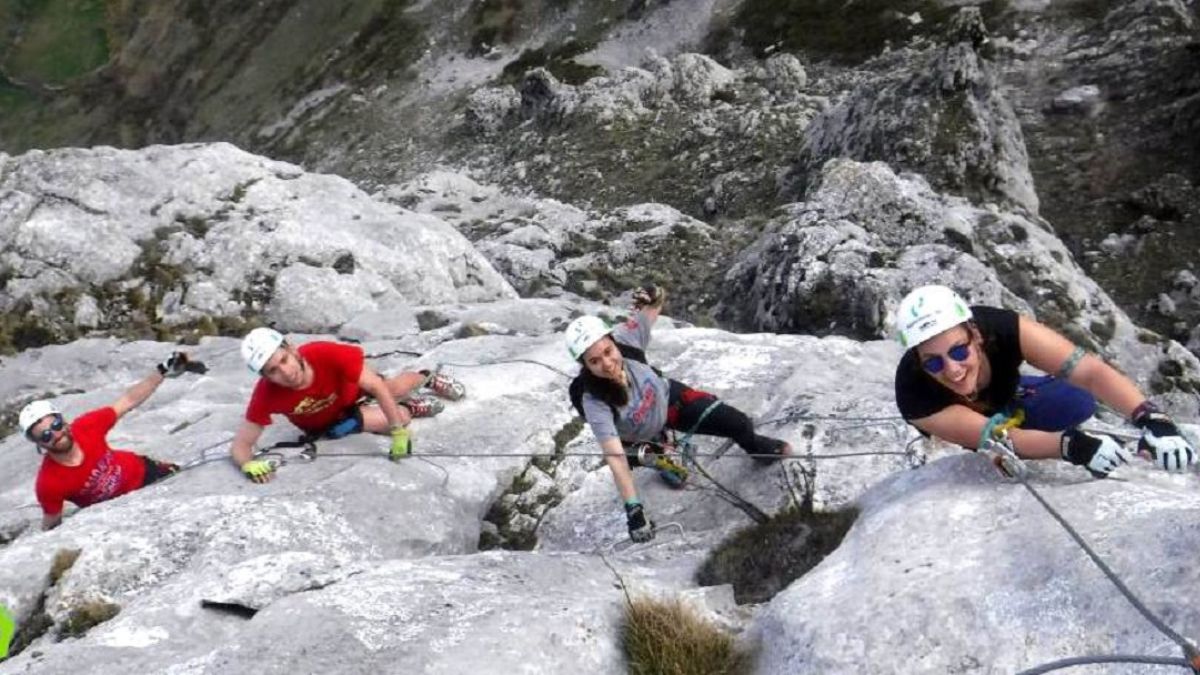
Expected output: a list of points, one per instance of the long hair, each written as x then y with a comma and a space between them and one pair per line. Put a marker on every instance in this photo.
612, 393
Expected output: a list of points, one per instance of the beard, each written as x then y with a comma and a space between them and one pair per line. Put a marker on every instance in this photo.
62, 445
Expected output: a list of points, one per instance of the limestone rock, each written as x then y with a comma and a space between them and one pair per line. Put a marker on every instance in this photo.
946, 118
178, 235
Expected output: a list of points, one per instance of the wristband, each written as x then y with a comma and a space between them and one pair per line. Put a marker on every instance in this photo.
1145, 408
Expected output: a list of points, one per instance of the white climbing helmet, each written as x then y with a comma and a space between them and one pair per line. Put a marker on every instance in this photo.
583, 333
258, 347
927, 311
33, 412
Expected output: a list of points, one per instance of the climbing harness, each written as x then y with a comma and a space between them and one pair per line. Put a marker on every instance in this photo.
999, 445
996, 444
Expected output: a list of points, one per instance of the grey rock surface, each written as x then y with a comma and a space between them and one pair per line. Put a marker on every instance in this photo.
190, 235
945, 117
840, 261
1011, 588
546, 248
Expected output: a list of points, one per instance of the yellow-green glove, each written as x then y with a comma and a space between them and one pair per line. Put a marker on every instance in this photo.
258, 470
401, 445
7, 628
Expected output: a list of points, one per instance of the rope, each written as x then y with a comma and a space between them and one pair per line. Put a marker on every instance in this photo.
492, 363
394, 352
686, 449
1115, 658
498, 455
687, 437
1189, 651
997, 428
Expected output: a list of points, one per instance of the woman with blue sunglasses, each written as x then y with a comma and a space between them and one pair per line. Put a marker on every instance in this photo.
963, 365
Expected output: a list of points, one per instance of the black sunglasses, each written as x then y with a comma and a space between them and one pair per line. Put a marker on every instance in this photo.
937, 363
47, 434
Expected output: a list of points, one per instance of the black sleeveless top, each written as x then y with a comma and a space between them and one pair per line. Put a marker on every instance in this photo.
918, 395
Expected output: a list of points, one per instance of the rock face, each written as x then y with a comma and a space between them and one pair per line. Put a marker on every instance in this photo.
840, 261
354, 564
684, 130
375, 562
1098, 162
1000, 566
545, 248
207, 235
944, 117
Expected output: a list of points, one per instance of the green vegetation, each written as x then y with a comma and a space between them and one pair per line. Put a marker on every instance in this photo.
86, 616
493, 22
763, 559
53, 41
665, 637
39, 622
64, 560
13, 97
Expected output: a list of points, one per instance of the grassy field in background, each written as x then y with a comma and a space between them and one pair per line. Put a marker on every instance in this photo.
51, 41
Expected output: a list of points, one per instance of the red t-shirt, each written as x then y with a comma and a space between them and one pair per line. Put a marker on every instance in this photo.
336, 368
104, 473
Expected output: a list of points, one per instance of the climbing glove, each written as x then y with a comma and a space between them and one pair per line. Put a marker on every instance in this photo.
641, 528
1098, 453
178, 363
258, 470
401, 444
649, 296
1162, 441
7, 628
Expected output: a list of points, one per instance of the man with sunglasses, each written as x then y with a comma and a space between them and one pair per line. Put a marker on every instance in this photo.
962, 366
78, 465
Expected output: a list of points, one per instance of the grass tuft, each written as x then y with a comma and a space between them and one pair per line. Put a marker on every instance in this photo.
63, 561
665, 637
86, 616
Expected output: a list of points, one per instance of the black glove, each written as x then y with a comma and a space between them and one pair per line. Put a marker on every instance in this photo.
1162, 441
641, 528
1098, 453
648, 296
177, 364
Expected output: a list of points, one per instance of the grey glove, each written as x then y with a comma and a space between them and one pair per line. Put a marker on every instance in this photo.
641, 528
1098, 453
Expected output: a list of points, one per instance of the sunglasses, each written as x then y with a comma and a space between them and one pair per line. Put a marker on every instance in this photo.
937, 363
47, 434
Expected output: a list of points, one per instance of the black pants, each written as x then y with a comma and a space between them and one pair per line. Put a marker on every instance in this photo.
686, 405
156, 471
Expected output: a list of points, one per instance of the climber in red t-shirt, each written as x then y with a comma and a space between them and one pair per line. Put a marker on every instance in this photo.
79, 466
327, 390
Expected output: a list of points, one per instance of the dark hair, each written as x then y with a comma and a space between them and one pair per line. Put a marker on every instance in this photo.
613, 393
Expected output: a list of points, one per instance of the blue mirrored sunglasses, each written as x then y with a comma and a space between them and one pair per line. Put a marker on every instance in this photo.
936, 364
56, 425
